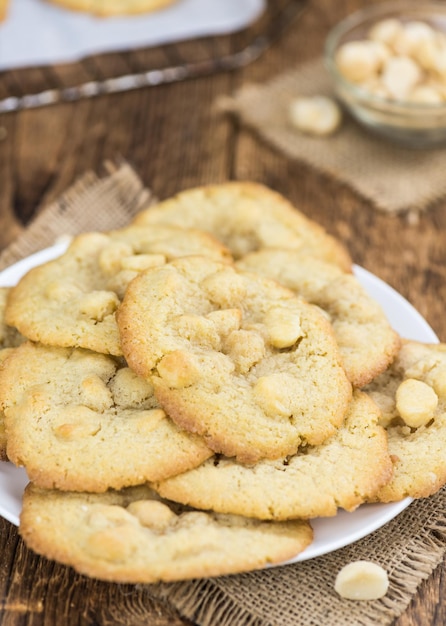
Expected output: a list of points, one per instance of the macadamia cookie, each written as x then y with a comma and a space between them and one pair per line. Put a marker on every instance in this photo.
133, 536
366, 340
82, 421
9, 339
107, 8
72, 301
234, 357
343, 472
412, 397
247, 217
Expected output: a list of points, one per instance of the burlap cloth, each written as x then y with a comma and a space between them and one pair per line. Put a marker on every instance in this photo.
392, 178
409, 547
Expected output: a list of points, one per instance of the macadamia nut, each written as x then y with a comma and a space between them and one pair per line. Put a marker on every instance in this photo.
416, 402
317, 115
362, 580
412, 36
399, 60
358, 60
387, 31
400, 75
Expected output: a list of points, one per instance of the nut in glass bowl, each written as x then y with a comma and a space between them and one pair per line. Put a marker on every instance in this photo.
388, 65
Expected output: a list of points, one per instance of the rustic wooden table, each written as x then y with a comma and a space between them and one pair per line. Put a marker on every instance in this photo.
175, 138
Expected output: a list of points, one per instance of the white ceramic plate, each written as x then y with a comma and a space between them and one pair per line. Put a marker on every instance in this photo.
329, 533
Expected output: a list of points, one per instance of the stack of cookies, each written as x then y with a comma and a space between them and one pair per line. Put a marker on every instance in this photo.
188, 392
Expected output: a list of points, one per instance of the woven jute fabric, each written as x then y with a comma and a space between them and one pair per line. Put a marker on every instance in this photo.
93, 203
393, 178
409, 547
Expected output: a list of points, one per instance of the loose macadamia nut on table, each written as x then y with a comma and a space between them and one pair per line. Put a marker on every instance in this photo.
362, 580
316, 115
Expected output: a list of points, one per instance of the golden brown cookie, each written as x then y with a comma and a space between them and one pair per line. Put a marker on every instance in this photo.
366, 340
235, 357
9, 336
343, 472
134, 537
83, 421
4, 4
412, 397
71, 301
247, 216
9, 339
4, 354
107, 8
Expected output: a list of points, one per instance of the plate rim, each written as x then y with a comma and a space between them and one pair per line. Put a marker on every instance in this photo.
8, 277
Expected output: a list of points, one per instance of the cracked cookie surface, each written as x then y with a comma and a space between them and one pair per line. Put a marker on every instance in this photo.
83, 421
247, 216
343, 472
133, 536
71, 301
412, 397
234, 357
366, 340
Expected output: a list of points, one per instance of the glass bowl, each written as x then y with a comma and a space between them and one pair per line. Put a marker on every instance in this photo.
408, 123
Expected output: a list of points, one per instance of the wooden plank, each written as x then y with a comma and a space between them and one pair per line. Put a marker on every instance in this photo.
175, 138
45, 593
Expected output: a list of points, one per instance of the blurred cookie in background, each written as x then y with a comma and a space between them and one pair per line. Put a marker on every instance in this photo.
107, 8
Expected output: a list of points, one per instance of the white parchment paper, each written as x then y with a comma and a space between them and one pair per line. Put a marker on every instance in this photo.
38, 33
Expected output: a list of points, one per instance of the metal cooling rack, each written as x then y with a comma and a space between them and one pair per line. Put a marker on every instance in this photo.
119, 72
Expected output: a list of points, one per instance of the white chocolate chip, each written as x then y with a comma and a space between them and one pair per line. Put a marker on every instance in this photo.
283, 327
362, 580
316, 115
76, 423
97, 305
439, 382
416, 402
152, 514
95, 394
179, 369
269, 395
226, 320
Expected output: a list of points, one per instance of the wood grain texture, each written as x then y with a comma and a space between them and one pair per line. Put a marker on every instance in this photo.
175, 138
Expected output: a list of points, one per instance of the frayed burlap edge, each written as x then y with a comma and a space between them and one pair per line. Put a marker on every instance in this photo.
92, 203
410, 547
